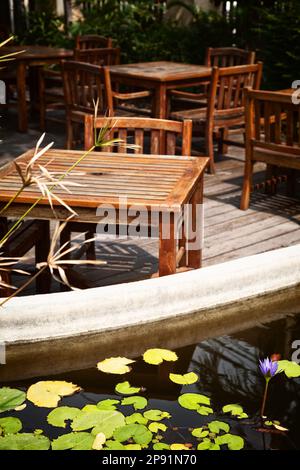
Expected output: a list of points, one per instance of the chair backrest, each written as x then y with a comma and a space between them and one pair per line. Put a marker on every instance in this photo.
91, 41
98, 56
151, 136
85, 84
226, 93
272, 125
228, 57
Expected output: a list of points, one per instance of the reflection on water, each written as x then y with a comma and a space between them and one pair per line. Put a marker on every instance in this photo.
228, 369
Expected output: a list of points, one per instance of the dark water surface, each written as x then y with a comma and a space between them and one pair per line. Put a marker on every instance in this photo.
228, 370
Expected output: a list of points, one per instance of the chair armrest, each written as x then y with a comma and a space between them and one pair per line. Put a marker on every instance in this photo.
131, 96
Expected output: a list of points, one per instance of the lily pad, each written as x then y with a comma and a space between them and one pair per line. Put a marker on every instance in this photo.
108, 404
200, 433
115, 365
10, 425
104, 421
156, 427
193, 401
179, 447
161, 446
156, 415
60, 415
136, 418
233, 442
48, 393
291, 369
186, 379
74, 441
235, 410
217, 426
138, 432
124, 388
10, 398
157, 356
138, 403
26, 441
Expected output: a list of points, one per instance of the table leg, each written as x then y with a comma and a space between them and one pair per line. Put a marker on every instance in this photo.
43, 281
194, 247
160, 102
167, 245
21, 87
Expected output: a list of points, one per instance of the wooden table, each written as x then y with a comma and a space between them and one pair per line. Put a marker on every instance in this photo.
33, 56
160, 77
161, 184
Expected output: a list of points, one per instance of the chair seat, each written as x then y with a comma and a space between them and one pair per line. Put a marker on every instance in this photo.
196, 114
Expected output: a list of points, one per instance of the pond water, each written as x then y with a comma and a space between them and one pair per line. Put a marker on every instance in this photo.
228, 370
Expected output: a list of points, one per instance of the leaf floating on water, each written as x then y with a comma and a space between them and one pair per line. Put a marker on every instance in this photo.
124, 388
157, 356
136, 418
99, 441
115, 365
193, 401
200, 433
114, 445
179, 447
137, 402
186, 379
235, 410
60, 415
161, 446
233, 442
156, 415
74, 441
104, 421
290, 368
217, 426
24, 441
156, 427
10, 425
138, 432
10, 398
21, 407
108, 404
47, 394
204, 410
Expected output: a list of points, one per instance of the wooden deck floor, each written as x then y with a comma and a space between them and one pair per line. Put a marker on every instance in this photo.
271, 222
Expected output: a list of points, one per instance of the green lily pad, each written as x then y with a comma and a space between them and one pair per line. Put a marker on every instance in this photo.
10, 426
217, 426
138, 432
10, 398
138, 403
186, 379
200, 433
60, 415
114, 445
291, 369
104, 421
124, 388
157, 356
156, 415
136, 418
108, 404
193, 401
233, 442
235, 410
156, 427
74, 441
161, 446
26, 441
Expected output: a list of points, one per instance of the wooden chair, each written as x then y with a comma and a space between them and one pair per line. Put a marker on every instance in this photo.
215, 57
31, 234
84, 84
272, 135
51, 95
152, 136
91, 41
224, 111
98, 56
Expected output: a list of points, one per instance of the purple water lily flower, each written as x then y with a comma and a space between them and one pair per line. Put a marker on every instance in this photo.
268, 367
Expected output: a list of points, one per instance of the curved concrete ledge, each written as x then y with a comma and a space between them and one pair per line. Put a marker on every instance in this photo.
72, 314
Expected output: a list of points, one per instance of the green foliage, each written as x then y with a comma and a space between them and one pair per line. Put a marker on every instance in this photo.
45, 29
10, 398
104, 421
124, 388
10, 426
74, 441
138, 403
291, 369
60, 415
24, 441
138, 432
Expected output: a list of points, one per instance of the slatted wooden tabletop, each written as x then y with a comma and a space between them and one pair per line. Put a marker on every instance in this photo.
33, 53
161, 71
161, 182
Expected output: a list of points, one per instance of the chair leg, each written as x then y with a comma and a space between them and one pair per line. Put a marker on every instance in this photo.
69, 130
42, 101
42, 247
245, 199
210, 151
